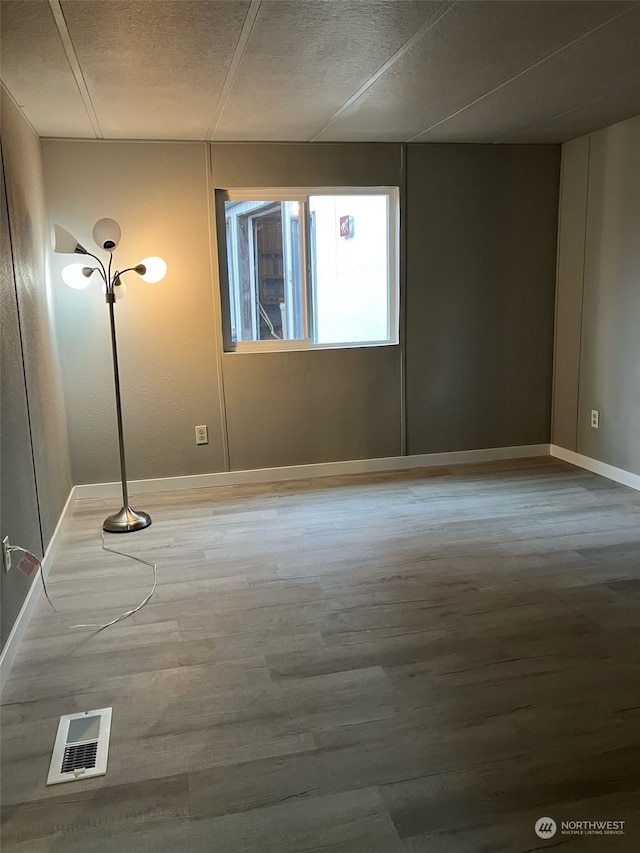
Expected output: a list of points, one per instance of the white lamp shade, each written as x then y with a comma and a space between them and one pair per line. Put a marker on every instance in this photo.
64, 243
156, 269
74, 276
106, 233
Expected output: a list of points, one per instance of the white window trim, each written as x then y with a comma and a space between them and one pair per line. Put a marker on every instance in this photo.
300, 194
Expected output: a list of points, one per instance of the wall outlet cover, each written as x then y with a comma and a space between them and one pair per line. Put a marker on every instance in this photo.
202, 434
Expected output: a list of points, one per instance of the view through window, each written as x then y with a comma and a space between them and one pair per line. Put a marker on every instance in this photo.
311, 268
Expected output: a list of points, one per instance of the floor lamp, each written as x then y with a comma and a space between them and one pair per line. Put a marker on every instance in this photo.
106, 234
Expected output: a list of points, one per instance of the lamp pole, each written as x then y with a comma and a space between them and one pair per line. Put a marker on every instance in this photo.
126, 519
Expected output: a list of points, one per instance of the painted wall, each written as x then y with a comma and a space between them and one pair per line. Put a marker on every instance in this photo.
167, 332
597, 340
321, 406
36, 469
570, 276
481, 238
170, 356
480, 235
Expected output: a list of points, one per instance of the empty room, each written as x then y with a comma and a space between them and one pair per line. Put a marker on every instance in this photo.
320, 426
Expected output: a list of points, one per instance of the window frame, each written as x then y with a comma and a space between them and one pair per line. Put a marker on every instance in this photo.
301, 195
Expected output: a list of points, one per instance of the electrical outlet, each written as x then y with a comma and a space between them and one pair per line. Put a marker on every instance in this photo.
202, 434
595, 419
6, 554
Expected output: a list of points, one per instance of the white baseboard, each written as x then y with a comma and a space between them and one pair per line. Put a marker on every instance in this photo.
602, 468
29, 605
303, 472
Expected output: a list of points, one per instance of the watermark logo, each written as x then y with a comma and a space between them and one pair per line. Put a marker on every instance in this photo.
592, 827
546, 827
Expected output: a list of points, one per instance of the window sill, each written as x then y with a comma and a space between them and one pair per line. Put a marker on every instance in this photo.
300, 346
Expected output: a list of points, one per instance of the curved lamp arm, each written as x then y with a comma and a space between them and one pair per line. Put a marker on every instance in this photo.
101, 269
139, 268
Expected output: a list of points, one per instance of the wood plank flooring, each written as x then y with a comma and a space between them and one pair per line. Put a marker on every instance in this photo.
416, 661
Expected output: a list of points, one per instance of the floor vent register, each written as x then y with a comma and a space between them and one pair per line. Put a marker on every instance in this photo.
82, 746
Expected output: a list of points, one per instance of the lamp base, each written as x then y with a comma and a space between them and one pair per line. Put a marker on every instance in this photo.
127, 520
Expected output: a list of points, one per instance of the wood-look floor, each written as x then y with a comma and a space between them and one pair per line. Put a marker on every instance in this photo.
425, 661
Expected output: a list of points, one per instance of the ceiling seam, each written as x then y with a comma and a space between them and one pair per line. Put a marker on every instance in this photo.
579, 106
424, 29
522, 73
76, 70
243, 38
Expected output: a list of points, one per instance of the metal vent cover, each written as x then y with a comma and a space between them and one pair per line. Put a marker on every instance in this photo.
81, 756
81, 747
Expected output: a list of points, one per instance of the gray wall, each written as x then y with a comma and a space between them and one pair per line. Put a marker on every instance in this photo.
36, 471
296, 408
481, 235
480, 230
167, 332
321, 406
570, 274
598, 340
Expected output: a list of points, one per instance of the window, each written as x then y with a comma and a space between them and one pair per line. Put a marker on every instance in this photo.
308, 268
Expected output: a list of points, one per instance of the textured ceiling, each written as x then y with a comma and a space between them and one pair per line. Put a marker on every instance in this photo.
324, 70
